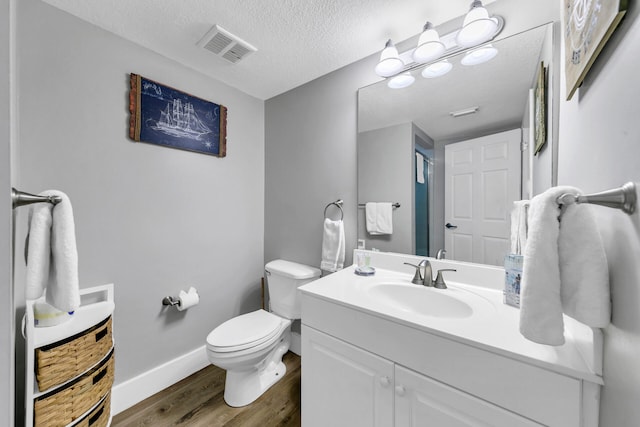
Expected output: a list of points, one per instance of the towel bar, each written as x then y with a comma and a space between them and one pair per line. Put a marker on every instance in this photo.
20, 198
623, 198
396, 205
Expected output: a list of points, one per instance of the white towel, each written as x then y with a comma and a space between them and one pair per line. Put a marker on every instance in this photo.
565, 270
52, 260
419, 168
379, 218
519, 226
333, 245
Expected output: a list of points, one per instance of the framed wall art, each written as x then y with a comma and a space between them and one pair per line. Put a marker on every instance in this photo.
540, 109
588, 24
165, 116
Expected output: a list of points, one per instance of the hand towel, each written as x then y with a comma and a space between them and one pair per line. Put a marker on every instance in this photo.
379, 218
565, 270
333, 245
419, 168
52, 260
519, 226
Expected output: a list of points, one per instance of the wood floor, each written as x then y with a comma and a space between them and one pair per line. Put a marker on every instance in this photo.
197, 401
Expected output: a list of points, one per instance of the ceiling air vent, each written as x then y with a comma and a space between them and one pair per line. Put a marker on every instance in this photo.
224, 44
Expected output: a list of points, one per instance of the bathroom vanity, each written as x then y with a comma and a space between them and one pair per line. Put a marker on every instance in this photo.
381, 351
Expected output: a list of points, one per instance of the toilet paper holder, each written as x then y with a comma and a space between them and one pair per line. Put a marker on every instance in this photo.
170, 301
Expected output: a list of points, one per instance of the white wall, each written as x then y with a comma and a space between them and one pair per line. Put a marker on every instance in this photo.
600, 149
152, 220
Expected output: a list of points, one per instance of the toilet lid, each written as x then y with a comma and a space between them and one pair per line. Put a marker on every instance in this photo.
244, 331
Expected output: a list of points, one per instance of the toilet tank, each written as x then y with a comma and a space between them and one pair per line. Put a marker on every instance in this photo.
283, 280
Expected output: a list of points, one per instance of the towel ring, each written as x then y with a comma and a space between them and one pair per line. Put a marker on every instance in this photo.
338, 204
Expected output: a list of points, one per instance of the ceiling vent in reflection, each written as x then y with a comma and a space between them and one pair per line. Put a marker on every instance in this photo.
225, 45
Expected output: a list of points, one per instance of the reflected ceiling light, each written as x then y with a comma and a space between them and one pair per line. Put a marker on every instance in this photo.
437, 69
480, 55
429, 45
390, 63
401, 81
478, 27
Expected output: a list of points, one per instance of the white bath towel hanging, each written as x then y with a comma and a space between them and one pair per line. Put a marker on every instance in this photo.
52, 258
333, 245
519, 226
379, 218
419, 168
565, 270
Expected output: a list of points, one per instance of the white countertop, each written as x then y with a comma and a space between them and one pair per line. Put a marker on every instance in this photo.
493, 326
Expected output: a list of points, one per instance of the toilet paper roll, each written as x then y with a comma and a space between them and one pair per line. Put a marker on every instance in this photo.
188, 299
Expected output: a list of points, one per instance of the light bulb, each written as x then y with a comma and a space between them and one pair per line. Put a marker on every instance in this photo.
390, 63
429, 45
437, 69
477, 27
401, 81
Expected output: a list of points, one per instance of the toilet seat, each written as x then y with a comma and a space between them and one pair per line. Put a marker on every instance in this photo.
244, 331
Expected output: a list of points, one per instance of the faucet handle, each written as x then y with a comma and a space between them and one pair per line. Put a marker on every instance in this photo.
417, 278
439, 282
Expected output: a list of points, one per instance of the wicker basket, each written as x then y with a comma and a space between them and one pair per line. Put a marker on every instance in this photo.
99, 417
62, 361
61, 407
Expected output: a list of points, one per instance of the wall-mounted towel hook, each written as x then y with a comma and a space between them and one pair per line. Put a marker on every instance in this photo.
623, 198
338, 203
20, 198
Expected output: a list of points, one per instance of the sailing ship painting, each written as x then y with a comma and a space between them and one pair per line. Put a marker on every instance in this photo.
166, 116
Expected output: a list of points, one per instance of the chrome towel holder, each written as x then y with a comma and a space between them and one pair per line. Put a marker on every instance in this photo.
338, 203
20, 198
623, 198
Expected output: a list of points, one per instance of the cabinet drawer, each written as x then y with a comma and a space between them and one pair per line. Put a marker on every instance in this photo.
57, 363
62, 406
99, 417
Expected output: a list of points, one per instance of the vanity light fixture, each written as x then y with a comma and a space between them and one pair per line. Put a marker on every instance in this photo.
479, 56
477, 27
437, 69
390, 62
401, 81
429, 45
465, 112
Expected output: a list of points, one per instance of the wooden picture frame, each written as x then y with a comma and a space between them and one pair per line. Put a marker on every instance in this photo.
540, 110
587, 27
165, 116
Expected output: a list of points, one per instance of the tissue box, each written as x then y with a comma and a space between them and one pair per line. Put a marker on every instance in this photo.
513, 277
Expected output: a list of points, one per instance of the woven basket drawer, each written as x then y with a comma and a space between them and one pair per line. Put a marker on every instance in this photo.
60, 407
99, 417
64, 360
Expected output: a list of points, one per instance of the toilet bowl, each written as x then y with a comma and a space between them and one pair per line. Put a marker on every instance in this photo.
250, 346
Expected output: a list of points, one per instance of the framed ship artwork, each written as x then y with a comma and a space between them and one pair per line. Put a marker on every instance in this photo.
588, 25
165, 116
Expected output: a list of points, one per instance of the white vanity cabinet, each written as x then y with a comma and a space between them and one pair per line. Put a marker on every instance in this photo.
365, 368
344, 385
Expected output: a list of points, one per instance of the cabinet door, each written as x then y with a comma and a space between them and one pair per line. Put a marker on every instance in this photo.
421, 401
343, 385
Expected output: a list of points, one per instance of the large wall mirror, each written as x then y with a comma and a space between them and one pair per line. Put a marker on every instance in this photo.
414, 143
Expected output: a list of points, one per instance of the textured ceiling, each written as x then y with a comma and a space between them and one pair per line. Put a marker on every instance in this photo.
297, 40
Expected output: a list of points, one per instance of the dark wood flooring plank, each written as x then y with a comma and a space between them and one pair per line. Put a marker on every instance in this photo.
198, 401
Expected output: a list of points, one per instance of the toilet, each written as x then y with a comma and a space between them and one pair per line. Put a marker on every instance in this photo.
250, 346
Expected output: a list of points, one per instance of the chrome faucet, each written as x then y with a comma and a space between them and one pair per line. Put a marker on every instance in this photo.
440, 254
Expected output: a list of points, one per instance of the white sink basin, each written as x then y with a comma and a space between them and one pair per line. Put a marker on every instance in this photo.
422, 300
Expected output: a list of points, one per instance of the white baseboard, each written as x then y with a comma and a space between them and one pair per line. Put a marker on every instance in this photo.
134, 390
296, 343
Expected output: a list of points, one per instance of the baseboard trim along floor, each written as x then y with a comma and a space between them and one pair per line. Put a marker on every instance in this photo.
134, 390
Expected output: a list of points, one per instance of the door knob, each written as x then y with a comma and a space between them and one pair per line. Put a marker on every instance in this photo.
451, 226
385, 381
400, 391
